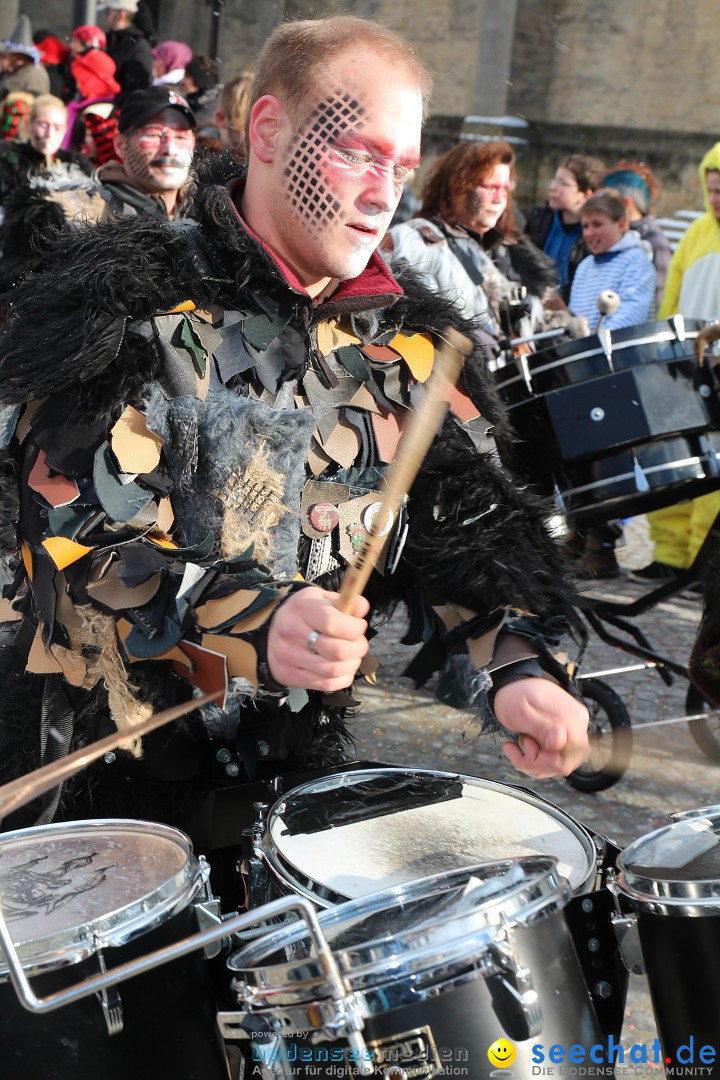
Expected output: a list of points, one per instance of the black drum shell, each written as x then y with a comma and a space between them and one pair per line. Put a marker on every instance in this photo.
682, 962
170, 1016
463, 1021
590, 427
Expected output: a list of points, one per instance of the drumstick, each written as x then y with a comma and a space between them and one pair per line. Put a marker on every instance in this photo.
414, 445
18, 792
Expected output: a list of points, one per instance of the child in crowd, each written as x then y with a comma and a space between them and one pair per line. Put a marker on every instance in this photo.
619, 260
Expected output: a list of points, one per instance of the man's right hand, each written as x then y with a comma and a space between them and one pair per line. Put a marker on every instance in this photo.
309, 617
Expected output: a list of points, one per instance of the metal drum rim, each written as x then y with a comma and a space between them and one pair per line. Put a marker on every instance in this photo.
323, 896
541, 892
664, 333
72, 944
666, 895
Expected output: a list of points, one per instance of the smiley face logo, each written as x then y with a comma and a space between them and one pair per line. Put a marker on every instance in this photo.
501, 1053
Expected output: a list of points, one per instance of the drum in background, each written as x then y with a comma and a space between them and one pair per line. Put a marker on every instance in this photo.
80, 896
344, 836
670, 881
618, 423
438, 969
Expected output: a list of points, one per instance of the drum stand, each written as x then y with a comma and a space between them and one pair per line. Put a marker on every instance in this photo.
606, 618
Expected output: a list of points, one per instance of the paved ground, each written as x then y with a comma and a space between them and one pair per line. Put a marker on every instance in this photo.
667, 771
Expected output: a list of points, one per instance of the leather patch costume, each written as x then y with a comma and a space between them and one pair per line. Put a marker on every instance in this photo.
196, 438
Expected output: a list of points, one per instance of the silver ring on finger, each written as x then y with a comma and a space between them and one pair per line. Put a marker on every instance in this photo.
312, 641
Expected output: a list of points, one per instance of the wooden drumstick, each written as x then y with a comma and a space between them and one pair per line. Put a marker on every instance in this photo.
18, 792
413, 446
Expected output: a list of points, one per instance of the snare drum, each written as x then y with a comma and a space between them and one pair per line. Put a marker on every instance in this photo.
437, 970
619, 423
346, 835
85, 896
670, 881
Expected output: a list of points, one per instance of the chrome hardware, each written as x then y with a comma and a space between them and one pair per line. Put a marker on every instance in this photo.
626, 930
517, 981
678, 324
628, 939
349, 1020
605, 339
111, 1002
597, 413
207, 910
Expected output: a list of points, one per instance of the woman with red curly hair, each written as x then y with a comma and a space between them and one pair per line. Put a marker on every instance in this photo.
465, 242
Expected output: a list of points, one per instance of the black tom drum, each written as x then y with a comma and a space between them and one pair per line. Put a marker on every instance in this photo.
670, 881
618, 423
346, 835
82, 897
437, 971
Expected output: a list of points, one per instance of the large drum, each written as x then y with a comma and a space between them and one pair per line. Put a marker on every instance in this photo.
438, 971
669, 880
343, 836
85, 896
619, 423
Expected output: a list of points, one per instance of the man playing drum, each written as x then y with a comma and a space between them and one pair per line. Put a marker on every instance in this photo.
202, 413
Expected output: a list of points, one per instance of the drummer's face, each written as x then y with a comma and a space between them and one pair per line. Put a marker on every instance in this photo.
600, 232
712, 179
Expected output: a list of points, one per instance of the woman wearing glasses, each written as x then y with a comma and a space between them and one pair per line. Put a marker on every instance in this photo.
465, 241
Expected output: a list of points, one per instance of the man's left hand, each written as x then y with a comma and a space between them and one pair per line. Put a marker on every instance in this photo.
554, 726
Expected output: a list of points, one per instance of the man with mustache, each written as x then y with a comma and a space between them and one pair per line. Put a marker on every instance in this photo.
222, 399
154, 144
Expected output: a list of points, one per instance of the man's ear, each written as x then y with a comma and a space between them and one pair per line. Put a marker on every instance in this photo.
266, 120
118, 144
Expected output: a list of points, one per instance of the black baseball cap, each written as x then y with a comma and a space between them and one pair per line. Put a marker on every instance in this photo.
141, 105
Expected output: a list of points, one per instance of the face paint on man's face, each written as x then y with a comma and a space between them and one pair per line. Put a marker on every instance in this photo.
312, 181
152, 170
336, 173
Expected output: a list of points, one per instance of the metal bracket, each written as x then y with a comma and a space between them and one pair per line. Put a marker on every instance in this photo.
525, 1009
349, 1017
110, 1001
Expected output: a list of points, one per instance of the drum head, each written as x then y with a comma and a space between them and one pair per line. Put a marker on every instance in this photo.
356, 833
676, 868
68, 889
401, 934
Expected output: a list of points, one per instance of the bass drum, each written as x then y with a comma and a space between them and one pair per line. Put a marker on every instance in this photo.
669, 880
84, 896
619, 423
437, 972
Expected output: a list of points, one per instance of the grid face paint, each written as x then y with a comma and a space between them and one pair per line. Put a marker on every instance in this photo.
474, 202
308, 190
